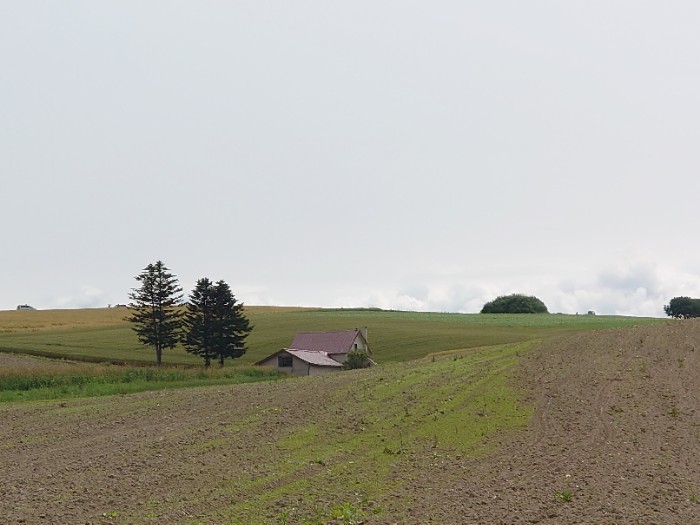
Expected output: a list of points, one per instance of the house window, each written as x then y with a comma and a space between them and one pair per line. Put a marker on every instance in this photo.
355, 346
284, 361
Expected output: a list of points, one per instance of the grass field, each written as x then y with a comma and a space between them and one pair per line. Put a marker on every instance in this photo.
93, 380
101, 335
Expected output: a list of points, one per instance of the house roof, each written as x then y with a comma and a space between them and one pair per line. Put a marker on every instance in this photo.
314, 357
315, 347
329, 342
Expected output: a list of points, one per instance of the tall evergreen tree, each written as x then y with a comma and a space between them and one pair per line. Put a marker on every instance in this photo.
215, 326
155, 308
199, 323
231, 326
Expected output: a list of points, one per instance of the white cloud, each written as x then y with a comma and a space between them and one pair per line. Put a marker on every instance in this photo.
86, 297
636, 288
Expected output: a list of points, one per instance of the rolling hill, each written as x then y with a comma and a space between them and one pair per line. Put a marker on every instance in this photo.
591, 427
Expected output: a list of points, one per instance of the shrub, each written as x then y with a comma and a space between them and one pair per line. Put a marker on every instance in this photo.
515, 304
357, 359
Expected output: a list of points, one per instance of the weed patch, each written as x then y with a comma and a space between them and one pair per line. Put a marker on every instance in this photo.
565, 496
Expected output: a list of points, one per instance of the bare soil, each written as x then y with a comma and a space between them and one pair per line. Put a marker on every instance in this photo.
614, 440
616, 431
29, 362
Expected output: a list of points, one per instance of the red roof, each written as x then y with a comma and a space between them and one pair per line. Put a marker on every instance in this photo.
329, 342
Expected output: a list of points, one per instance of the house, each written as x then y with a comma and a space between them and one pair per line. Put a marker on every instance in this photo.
315, 353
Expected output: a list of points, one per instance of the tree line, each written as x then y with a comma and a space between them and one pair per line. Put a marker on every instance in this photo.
212, 324
683, 307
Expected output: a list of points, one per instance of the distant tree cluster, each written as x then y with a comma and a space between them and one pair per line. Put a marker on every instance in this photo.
213, 325
515, 304
683, 308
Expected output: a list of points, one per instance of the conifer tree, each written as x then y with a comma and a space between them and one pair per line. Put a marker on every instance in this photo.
199, 323
231, 326
155, 308
215, 326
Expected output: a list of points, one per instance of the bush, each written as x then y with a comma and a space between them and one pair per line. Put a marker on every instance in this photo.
515, 304
683, 308
357, 359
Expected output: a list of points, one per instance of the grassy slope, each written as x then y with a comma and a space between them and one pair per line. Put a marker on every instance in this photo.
102, 334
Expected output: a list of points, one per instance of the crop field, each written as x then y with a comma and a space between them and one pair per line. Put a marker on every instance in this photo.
573, 426
102, 335
27, 378
341, 456
87, 344
468, 419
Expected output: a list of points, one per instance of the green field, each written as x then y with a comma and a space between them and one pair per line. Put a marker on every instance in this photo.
102, 335
94, 380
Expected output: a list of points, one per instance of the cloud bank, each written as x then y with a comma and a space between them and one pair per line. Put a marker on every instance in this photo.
639, 289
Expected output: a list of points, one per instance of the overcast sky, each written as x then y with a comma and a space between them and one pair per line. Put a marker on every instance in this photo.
394, 154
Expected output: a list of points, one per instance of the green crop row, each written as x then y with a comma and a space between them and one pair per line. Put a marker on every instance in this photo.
90, 381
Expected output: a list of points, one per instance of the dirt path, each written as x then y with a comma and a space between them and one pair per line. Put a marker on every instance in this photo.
616, 430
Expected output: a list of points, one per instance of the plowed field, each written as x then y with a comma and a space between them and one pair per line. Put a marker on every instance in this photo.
610, 434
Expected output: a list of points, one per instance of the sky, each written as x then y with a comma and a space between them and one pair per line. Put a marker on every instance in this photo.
409, 155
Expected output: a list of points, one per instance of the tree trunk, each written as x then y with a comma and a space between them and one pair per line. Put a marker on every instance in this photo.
159, 354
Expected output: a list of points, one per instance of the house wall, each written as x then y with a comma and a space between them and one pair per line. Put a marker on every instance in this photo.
299, 367
272, 361
360, 343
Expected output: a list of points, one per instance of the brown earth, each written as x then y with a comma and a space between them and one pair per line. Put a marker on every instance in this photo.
29, 362
614, 440
616, 426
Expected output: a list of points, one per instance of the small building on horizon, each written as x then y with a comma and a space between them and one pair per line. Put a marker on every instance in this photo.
25, 307
316, 353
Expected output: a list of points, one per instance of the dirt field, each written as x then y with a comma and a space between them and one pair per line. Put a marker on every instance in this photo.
614, 440
616, 429
29, 362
